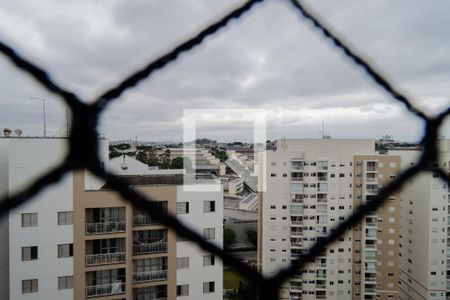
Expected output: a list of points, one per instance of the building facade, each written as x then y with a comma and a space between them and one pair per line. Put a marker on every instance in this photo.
312, 185
79, 240
424, 237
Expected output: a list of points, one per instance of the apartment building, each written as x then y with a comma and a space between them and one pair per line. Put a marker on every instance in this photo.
79, 240
375, 240
36, 238
312, 185
424, 237
124, 253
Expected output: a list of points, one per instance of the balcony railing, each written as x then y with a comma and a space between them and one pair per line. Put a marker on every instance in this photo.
143, 220
105, 289
321, 286
105, 259
150, 276
296, 231
145, 248
372, 190
105, 227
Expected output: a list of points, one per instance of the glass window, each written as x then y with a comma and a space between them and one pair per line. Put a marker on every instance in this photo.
30, 286
182, 207
29, 253
182, 262
209, 206
65, 250
183, 290
208, 260
208, 287
209, 233
65, 218
65, 282
29, 220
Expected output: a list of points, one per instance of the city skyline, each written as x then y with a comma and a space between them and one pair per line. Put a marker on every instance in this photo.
294, 74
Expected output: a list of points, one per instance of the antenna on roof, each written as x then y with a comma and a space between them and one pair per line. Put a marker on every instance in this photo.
43, 103
323, 130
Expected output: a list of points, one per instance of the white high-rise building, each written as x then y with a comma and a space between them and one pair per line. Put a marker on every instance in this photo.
309, 190
33, 263
424, 237
312, 185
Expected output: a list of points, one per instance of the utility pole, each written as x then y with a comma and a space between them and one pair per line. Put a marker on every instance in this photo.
67, 122
43, 106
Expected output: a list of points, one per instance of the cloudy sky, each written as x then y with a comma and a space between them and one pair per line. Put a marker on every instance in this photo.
271, 59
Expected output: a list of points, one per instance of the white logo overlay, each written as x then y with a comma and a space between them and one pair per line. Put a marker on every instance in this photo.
199, 163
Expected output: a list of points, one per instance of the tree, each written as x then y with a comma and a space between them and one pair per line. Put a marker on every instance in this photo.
229, 236
152, 159
252, 237
114, 153
165, 159
177, 163
142, 157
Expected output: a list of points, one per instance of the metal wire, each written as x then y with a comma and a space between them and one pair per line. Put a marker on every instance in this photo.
83, 142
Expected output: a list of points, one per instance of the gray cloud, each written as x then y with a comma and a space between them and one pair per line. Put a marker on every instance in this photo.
269, 59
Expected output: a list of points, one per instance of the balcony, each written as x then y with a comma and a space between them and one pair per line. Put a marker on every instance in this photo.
322, 188
321, 286
105, 289
322, 177
144, 220
370, 290
371, 166
105, 259
150, 276
296, 178
297, 165
370, 269
295, 232
296, 223
148, 248
371, 179
372, 190
296, 209
105, 227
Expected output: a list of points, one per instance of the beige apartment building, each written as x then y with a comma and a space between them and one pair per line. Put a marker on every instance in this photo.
375, 240
117, 238
121, 252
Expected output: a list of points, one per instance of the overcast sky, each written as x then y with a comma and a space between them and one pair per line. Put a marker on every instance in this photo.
270, 59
